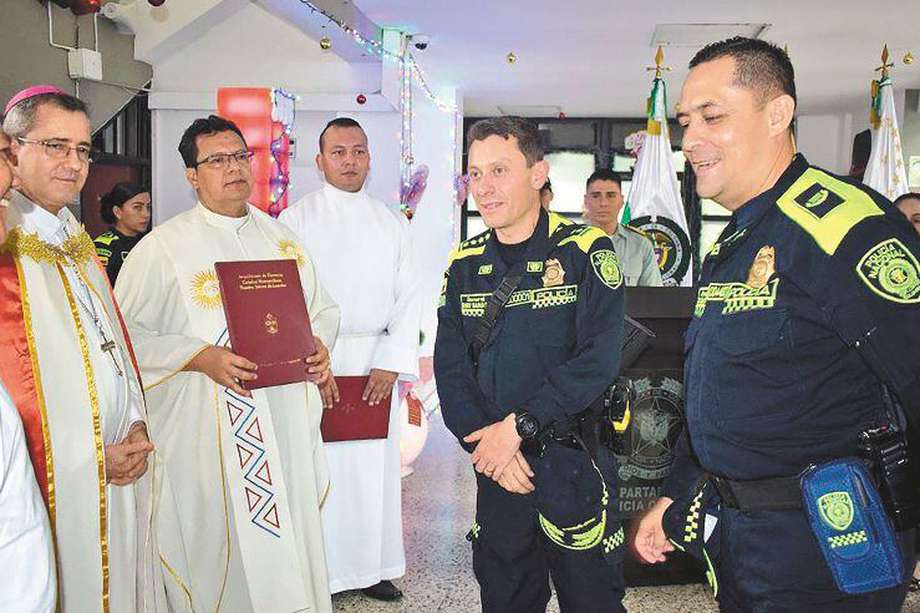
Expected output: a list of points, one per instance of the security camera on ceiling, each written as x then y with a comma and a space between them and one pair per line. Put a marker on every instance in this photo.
421, 41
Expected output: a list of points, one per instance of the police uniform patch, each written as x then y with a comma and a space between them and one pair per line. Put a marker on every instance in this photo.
836, 510
890, 270
534, 266
607, 268
818, 199
485, 269
553, 273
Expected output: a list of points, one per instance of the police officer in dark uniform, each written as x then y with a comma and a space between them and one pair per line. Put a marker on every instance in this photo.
517, 392
804, 336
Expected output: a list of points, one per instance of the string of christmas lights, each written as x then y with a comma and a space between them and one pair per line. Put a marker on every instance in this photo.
376, 47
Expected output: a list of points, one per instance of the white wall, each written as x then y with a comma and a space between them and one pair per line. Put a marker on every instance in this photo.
826, 140
252, 47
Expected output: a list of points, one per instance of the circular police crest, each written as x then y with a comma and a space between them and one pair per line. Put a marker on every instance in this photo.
672, 246
655, 425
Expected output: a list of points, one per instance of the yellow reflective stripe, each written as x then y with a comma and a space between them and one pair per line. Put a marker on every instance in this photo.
584, 238
830, 229
556, 220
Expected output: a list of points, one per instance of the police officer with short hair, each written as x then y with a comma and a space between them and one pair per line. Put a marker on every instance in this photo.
603, 202
803, 343
529, 334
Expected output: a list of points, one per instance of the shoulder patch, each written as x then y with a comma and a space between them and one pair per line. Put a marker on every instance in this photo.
891, 271
826, 207
106, 238
606, 266
472, 246
583, 237
556, 220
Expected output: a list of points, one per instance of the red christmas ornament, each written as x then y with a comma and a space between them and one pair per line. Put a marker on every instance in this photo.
361, 98
156, 2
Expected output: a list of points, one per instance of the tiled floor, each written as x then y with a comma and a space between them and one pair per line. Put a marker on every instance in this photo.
438, 511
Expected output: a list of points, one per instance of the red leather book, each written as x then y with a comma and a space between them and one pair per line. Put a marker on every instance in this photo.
267, 318
351, 418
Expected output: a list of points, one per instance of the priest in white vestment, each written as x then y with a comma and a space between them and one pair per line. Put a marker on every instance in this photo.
243, 474
25, 536
66, 363
363, 256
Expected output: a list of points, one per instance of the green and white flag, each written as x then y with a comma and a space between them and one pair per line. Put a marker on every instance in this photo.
655, 205
885, 171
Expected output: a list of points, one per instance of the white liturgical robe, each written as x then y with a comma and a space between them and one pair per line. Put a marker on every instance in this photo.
76, 388
25, 537
243, 479
363, 256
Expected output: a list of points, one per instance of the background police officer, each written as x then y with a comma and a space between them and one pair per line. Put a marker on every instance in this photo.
603, 203
809, 301
545, 487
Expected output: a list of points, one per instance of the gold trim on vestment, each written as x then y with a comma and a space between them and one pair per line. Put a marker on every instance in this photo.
175, 576
97, 435
78, 248
147, 388
223, 490
322, 500
39, 393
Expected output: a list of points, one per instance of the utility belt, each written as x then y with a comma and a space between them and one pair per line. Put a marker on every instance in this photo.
853, 505
604, 423
882, 450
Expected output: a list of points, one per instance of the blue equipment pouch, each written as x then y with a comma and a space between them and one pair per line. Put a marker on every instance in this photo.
850, 524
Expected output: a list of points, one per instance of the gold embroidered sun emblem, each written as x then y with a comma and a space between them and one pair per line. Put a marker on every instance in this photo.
291, 251
206, 290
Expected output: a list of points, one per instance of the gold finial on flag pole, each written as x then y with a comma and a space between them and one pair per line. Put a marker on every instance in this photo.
885, 63
659, 59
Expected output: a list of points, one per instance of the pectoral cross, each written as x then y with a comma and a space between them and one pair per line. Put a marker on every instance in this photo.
108, 346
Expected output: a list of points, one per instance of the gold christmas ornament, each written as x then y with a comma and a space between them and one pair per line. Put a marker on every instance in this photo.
325, 43
908, 58
511, 58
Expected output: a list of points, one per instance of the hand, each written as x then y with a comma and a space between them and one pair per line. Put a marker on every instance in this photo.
516, 478
126, 462
318, 364
379, 385
646, 536
225, 368
329, 392
496, 446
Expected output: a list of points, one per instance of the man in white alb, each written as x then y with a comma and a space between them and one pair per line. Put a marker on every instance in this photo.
243, 476
363, 257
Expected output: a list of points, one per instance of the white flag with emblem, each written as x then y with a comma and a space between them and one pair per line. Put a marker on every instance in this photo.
655, 205
885, 171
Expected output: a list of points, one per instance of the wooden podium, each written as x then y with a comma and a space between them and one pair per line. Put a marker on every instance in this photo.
657, 419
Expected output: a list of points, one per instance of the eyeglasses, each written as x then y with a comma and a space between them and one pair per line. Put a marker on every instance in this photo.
59, 150
221, 161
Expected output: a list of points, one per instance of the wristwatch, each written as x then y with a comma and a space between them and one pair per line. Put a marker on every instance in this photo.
526, 425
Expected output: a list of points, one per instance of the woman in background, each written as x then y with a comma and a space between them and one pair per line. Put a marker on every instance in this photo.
127, 209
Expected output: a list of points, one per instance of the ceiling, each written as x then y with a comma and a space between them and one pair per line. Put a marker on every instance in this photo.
589, 56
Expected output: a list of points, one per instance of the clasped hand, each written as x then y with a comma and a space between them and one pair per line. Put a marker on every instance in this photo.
126, 462
498, 456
